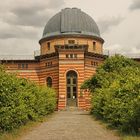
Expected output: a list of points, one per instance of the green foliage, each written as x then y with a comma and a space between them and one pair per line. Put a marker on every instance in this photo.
116, 93
21, 101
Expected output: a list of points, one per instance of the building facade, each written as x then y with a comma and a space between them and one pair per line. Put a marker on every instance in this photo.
70, 51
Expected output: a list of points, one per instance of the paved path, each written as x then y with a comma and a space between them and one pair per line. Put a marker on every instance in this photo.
70, 125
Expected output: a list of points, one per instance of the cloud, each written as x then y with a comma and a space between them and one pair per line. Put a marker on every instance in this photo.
12, 31
138, 47
25, 20
123, 50
35, 15
22, 23
56, 3
18, 46
125, 37
105, 24
135, 5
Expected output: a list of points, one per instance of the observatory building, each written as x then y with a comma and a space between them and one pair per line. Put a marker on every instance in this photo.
71, 48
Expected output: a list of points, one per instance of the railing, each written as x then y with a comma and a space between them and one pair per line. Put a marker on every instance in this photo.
17, 57
129, 55
20, 57
37, 53
70, 47
132, 55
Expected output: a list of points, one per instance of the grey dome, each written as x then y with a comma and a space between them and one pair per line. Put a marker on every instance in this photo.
71, 21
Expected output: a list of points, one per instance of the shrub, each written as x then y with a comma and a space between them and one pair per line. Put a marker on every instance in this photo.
116, 93
22, 100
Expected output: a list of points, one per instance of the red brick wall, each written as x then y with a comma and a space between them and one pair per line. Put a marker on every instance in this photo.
85, 99
66, 65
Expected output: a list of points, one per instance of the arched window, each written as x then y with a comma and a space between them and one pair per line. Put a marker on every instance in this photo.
71, 85
49, 81
48, 46
94, 46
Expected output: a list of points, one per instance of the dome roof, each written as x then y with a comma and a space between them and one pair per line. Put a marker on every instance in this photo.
71, 21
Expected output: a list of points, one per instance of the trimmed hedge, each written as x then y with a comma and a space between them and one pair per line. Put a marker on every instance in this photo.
116, 93
22, 100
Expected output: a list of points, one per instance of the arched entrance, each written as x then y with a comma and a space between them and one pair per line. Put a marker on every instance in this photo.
71, 88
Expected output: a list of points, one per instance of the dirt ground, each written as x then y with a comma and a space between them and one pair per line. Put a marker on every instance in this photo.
71, 124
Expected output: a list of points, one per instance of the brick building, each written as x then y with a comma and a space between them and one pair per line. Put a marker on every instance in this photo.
70, 50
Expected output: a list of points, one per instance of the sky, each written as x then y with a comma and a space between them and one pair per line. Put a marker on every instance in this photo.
22, 23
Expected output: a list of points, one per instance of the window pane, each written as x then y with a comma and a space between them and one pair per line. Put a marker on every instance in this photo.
26, 66
68, 81
75, 55
74, 92
74, 80
23, 66
71, 47
71, 55
92, 63
68, 92
71, 41
67, 56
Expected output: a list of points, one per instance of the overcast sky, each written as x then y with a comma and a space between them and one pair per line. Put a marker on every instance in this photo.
22, 23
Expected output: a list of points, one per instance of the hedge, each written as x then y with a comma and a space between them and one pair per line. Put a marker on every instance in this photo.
22, 100
116, 93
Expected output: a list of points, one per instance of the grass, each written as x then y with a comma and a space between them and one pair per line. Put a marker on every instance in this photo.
130, 137
122, 135
16, 134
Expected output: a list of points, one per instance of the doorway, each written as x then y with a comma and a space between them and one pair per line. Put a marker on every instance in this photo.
71, 88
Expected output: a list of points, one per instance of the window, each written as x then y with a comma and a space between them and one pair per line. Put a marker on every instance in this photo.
75, 55
49, 81
94, 46
26, 66
49, 64
67, 56
48, 44
71, 41
22, 66
71, 55
94, 63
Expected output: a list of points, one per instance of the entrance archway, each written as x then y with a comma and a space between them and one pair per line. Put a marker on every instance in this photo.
71, 88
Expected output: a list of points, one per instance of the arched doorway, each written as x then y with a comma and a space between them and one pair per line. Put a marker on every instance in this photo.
71, 88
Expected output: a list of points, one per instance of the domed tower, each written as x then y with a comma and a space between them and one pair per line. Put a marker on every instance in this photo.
74, 25
71, 49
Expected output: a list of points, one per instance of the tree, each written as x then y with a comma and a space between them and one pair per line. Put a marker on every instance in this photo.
116, 93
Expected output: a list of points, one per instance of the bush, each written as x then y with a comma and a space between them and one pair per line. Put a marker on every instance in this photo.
22, 100
116, 93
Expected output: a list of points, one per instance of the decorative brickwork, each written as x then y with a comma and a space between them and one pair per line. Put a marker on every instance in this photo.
69, 54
